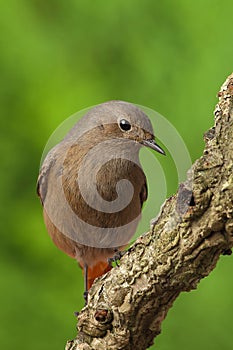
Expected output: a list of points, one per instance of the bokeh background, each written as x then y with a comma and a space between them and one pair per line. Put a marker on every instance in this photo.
57, 57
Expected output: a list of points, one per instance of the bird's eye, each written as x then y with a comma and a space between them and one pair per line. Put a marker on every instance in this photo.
125, 125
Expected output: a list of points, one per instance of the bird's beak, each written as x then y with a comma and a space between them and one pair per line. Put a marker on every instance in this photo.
152, 144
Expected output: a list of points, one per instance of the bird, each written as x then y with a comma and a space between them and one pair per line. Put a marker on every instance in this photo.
92, 186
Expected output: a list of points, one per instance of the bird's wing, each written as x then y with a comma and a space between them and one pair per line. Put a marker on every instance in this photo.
42, 181
143, 193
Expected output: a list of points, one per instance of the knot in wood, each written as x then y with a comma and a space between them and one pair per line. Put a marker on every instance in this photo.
103, 316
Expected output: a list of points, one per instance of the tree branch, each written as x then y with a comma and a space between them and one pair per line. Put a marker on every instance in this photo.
127, 306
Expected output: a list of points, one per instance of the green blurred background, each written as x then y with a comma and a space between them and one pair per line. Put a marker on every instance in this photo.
57, 57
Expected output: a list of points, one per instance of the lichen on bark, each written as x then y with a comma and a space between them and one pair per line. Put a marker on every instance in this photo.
127, 306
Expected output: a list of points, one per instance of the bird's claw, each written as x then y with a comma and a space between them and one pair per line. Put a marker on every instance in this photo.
85, 296
118, 255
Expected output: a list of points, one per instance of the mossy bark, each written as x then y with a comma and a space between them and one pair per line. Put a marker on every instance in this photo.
127, 306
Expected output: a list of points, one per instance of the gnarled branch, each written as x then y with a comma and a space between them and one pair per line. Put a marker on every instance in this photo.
127, 306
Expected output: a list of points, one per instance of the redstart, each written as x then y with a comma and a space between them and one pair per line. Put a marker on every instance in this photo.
92, 186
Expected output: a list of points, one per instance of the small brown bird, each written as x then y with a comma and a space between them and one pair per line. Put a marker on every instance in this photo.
92, 186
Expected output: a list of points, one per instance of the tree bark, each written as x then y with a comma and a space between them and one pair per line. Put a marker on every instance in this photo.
127, 305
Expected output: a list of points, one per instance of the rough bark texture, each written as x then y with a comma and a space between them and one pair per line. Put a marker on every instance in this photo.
127, 306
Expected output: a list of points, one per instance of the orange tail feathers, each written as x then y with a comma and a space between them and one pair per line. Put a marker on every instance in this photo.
96, 271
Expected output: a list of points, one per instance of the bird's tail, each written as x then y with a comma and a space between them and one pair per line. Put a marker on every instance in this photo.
96, 271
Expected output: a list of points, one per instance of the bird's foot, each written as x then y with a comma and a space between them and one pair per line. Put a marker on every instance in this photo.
85, 296
116, 258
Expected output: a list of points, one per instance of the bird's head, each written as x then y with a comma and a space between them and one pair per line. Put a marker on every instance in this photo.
116, 120
130, 123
